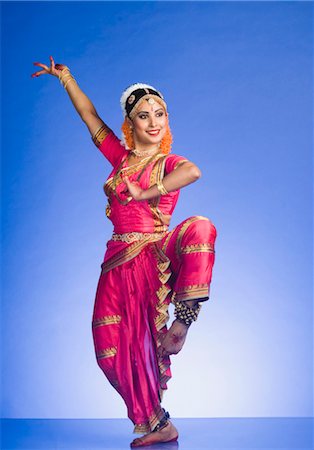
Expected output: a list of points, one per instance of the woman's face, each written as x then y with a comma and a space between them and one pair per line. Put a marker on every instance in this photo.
149, 124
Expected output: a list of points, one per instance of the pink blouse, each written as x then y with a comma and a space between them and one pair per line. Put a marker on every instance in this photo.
127, 214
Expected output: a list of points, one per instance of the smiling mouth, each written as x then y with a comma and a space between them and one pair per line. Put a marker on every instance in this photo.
153, 132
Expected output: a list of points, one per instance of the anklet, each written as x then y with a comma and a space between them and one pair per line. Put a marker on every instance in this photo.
185, 313
164, 421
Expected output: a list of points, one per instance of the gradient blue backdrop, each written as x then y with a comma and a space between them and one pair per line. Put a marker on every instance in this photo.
237, 77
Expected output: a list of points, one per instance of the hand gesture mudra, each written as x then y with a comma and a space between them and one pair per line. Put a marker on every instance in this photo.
134, 188
54, 69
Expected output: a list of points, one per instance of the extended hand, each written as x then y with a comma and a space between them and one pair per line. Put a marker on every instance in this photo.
54, 69
174, 339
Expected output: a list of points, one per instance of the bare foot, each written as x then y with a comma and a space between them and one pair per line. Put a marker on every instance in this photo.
166, 434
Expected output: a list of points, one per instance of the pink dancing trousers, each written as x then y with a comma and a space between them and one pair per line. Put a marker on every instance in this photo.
131, 311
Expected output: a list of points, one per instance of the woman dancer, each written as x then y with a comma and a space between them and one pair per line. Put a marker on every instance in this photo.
146, 266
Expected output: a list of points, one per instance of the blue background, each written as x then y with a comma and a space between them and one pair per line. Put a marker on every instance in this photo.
237, 78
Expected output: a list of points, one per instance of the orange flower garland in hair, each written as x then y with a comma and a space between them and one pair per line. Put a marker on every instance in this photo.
165, 144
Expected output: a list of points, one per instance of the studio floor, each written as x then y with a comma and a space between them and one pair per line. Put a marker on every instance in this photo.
195, 434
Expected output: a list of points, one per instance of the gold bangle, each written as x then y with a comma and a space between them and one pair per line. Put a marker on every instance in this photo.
65, 74
66, 83
161, 188
63, 71
65, 77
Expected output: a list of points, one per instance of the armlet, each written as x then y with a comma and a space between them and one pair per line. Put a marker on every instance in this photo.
100, 135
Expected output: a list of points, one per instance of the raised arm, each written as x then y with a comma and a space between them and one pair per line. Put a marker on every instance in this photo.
81, 102
102, 136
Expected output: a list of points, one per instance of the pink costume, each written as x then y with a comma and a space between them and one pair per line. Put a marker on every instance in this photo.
145, 267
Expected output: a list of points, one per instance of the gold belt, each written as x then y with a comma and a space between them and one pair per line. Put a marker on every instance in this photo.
136, 236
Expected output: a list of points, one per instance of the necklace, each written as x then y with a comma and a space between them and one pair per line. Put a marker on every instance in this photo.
141, 153
138, 163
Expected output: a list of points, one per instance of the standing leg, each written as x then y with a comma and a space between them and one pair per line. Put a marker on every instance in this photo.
124, 339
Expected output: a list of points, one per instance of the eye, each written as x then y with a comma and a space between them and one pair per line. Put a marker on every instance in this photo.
142, 116
160, 114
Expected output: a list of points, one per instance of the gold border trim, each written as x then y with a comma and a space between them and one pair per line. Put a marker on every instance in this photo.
151, 423
127, 254
107, 353
183, 230
106, 320
191, 292
100, 135
164, 246
114, 181
155, 176
198, 248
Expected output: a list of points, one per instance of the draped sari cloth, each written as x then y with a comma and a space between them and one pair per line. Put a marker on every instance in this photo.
140, 277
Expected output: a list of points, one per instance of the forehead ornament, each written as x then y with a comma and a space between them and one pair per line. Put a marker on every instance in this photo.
151, 101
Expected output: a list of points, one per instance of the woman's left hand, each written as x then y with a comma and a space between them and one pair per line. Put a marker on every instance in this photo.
134, 189
174, 339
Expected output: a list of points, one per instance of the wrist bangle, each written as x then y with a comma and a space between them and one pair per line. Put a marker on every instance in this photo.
68, 81
64, 71
161, 188
65, 77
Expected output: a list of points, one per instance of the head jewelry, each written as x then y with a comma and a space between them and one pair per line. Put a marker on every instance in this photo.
130, 100
131, 97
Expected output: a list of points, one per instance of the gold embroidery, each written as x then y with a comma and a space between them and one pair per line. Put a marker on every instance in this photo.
107, 186
164, 277
193, 286
162, 315
106, 320
164, 247
198, 248
183, 230
163, 260
108, 210
107, 353
152, 421
162, 293
113, 182
131, 170
135, 236
191, 292
156, 174
100, 135
126, 254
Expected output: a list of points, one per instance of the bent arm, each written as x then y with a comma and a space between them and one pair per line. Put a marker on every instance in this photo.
185, 173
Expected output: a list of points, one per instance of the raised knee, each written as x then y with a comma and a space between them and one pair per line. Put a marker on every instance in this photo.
210, 229
200, 229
